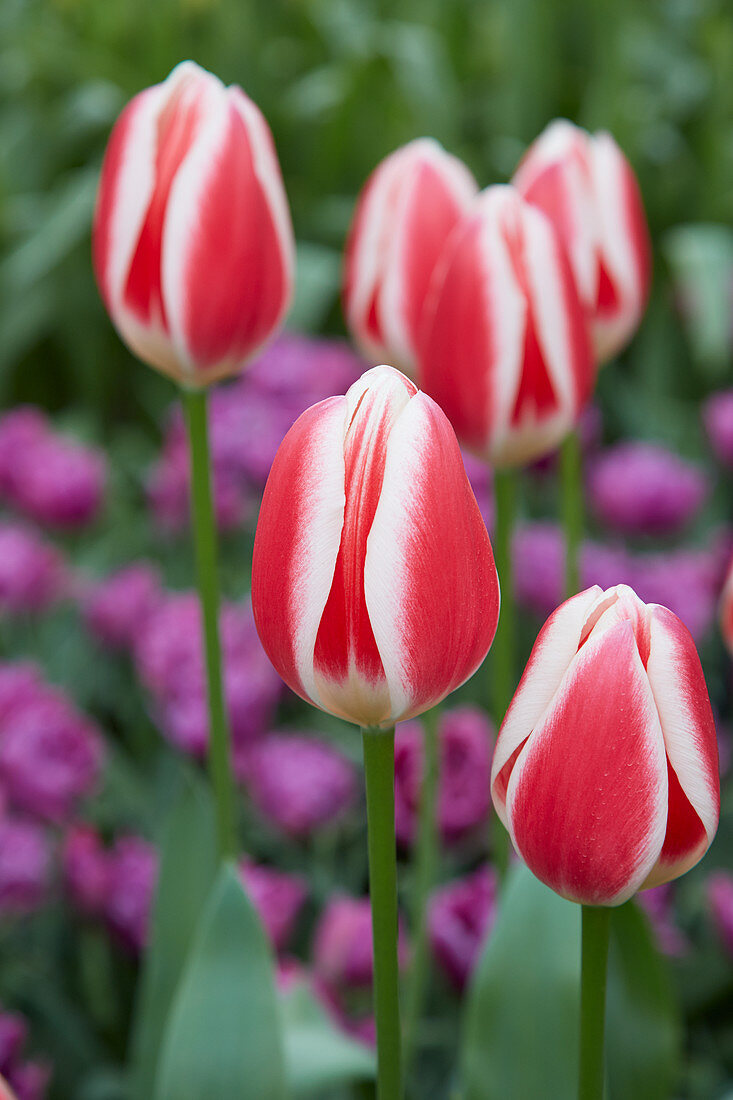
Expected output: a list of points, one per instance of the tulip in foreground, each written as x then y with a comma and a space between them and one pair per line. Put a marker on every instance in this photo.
192, 244
375, 594
503, 347
586, 186
405, 213
606, 770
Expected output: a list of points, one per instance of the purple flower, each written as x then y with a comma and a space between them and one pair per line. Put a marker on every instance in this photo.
720, 901
717, 414
24, 865
32, 573
460, 917
115, 610
49, 478
343, 956
133, 871
311, 368
590, 431
658, 904
169, 659
27, 1079
482, 482
86, 871
50, 755
13, 1032
686, 581
299, 783
20, 684
30, 1080
466, 738
642, 488
278, 898
538, 554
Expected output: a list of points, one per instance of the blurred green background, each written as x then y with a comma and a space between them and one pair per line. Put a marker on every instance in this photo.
343, 82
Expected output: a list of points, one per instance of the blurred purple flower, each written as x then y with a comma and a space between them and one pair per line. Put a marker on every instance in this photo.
466, 739
47, 477
460, 917
590, 430
482, 482
13, 1032
133, 871
720, 901
343, 956
169, 659
115, 609
24, 865
20, 684
642, 488
717, 414
32, 572
85, 868
278, 898
30, 1080
50, 755
658, 904
686, 581
311, 368
298, 782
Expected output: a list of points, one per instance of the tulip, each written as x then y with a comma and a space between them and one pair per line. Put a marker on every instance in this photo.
404, 215
606, 771
606, 767
193, 252
192, 242
375, 593
585, 185
504, 349
368, 541
726, 610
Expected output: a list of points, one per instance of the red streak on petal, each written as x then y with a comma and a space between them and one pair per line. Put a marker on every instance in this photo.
608, 300
502, 780
685, 831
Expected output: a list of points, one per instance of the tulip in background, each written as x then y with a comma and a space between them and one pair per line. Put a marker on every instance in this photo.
193, 252
726, 610
404, 215
368, 540
585, 185
606, 769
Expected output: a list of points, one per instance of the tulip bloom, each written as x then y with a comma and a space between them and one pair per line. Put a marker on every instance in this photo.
606, 767
374, 588
193, 246
587, 188
404, 214
504, 348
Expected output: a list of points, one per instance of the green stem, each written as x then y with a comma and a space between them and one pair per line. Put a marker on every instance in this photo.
571, 477
504, 647
204, 531
426, 853
379, 771
596, 926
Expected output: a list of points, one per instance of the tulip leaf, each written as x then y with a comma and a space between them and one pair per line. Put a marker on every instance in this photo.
643, 1032
522, 1009
186, 876
521, 1015
224, 1036
317, 1054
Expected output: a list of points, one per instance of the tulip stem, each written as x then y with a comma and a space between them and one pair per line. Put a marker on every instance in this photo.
426, 853
571, 478
504, 648
205, 540
379, 771
596, 926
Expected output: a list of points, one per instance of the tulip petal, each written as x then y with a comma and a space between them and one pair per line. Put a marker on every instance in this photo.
555, 647
688, 727
587, 799
430, 580
297, 542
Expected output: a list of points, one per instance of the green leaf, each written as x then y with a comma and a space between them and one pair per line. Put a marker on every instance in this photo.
317, 1055
521, 1014
643, 1030
187, 872
701, 257
223, 1037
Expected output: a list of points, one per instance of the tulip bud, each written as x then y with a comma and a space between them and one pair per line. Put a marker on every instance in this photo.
504, 348
587, 188
193, 246
404, 214
374, 588
605, 771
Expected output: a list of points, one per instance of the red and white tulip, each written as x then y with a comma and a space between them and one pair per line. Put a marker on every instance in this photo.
404, 215
586, 186
605, 770
504, 348
192, 245
374, 588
